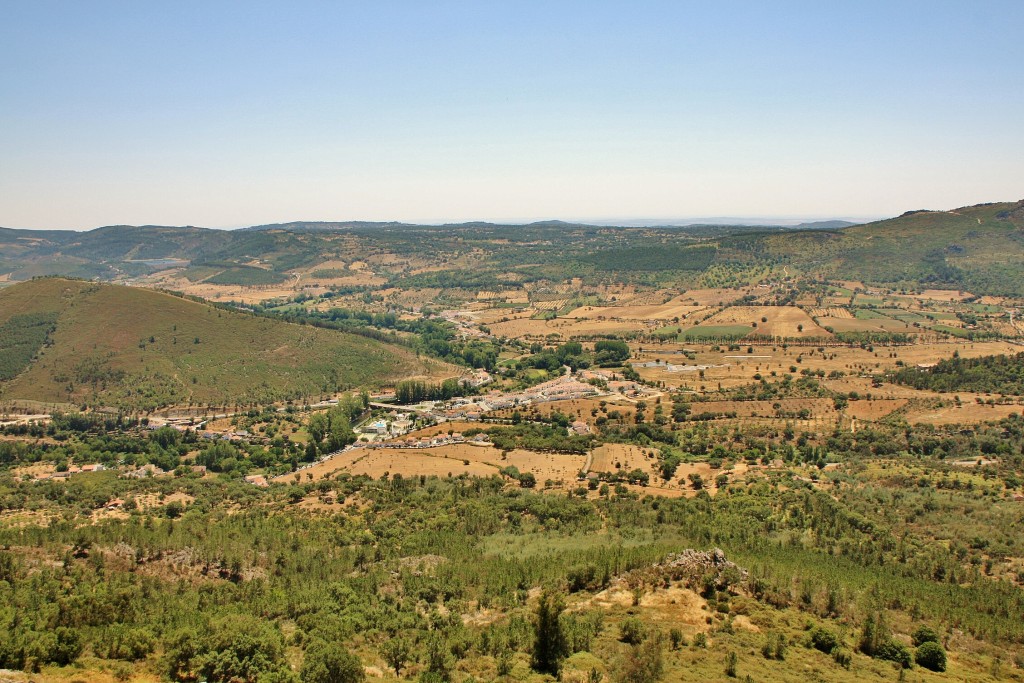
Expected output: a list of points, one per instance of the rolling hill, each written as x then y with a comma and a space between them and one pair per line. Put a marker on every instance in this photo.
87, 343
975, 248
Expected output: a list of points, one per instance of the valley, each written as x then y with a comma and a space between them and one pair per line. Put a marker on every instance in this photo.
712, 452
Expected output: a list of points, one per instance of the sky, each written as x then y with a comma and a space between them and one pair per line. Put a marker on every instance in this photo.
227, 114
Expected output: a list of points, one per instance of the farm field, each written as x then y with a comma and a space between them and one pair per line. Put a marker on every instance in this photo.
675, 308
772, 321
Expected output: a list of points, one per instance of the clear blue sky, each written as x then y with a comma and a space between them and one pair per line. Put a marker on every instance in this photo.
228, 114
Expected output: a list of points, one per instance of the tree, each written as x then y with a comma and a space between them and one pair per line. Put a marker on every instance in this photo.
931, 656
330, 663
317, 427
395, 652
439, 664
237, 648
549, 644
874, 634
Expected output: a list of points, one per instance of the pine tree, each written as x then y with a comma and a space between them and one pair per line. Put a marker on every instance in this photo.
549, 645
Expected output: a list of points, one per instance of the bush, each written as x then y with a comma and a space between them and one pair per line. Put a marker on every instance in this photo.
931, 656
824, 640
582, 577
631, 631
774, 646
894, 651
842, 657
924, 634
676, 638
642, 663
330, 663
730, 665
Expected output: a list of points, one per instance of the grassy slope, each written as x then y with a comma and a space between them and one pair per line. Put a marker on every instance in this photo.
101, 351
984, 243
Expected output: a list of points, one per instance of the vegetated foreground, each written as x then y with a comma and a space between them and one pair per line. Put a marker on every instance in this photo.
505, 460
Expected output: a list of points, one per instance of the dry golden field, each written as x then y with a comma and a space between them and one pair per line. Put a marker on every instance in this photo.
773, 321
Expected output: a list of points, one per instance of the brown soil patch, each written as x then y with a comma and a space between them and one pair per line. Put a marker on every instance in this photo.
714, 297
442, 461
663, 607
576, 409
678, 307
788, 407
965, 413
873, 409
782, 321
831, 312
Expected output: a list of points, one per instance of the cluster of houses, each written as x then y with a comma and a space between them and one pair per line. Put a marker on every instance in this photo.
559, 389
433, 442
71, 471
465, 322
398, 425
669, 367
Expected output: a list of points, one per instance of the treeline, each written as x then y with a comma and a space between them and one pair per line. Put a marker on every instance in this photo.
1000, 374
607, 353
414, 391
432, 337
331, 430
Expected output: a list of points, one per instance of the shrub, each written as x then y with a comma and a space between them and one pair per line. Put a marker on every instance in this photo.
330, 663
730, 665
642, 663
676, 638
842, 657
931, 656
924, 634
631, 631
894, 651
824, 640
774, 646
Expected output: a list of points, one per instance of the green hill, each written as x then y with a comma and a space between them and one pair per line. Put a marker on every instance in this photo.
975, 248
82, 342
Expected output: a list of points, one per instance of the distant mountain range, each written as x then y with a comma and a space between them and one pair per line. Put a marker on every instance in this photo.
976, 247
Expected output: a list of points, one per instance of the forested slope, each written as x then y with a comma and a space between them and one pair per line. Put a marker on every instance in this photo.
140, 349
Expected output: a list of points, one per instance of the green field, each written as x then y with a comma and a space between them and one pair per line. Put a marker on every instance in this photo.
868, 314
955, 331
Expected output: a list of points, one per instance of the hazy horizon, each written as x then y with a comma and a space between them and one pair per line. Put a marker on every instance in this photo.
768, 221
227, 115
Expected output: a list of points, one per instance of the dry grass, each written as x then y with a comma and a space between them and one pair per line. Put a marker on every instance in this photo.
782, 321
831, 312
